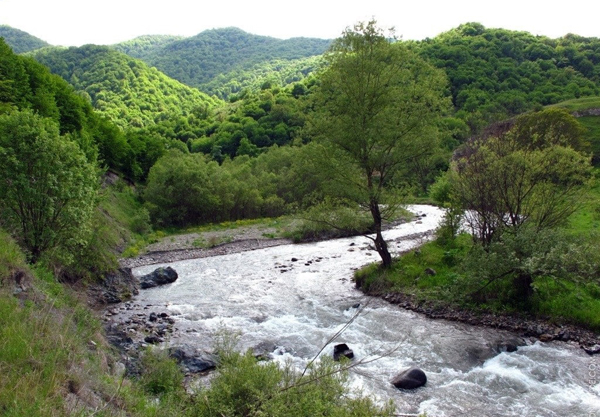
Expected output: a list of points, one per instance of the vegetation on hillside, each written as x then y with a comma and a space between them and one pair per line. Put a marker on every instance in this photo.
145, 46
498, 73
122, 88
198, 60
21, 41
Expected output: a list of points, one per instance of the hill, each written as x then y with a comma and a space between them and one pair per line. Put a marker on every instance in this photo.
497, 73
20, 41
122, 88
145, 46
199, 60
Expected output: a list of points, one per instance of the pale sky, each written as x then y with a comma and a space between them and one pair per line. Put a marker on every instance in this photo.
78, 22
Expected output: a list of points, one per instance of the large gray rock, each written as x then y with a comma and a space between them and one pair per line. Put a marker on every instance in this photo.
159, 276
193, 361
116, 287
410, 379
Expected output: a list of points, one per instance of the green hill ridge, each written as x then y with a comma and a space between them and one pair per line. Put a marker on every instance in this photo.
20, 41
125, 89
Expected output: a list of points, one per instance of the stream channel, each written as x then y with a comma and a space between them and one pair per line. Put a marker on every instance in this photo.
295, 306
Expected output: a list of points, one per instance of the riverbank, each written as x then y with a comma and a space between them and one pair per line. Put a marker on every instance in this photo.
541, 329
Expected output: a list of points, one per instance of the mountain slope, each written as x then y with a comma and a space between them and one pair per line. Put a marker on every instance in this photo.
198, 60
20, 41
125, 89
145, 46
497, 73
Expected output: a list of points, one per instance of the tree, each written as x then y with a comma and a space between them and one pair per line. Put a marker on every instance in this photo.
48, 187
378, 104
515, 193
508, 181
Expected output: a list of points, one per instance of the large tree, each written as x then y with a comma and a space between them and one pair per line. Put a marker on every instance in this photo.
377, 106
48, 187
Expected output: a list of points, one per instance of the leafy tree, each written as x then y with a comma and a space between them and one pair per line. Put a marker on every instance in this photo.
506, 186
378, 105
48, 187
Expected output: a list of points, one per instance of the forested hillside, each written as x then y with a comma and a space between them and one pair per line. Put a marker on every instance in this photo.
145, 46
498, 73
198, 60
20, 41
124, 89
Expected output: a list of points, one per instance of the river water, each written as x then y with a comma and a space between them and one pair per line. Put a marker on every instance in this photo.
292, 299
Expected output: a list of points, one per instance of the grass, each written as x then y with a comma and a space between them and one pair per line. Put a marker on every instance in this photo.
579, 104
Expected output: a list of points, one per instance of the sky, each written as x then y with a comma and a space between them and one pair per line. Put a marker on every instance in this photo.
79, 22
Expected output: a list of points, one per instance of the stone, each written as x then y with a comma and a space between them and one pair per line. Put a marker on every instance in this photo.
159, 276
430, 271
192, 360
592, 350
152, 340
546, 337
116, 287
342, 350
410, 379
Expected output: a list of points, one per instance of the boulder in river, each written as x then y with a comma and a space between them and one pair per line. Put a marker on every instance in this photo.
159, 276
342, 350
410, 379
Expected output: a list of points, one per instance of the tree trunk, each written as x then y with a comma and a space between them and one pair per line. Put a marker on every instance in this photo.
380, 243
524, 290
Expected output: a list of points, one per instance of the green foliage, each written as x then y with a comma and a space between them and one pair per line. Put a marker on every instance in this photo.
332, 219
218, 53
161, 375
122, 88
528, 176
20, 41
189, 189
497, 73
49, 187
244, 387
377, 105
145, 46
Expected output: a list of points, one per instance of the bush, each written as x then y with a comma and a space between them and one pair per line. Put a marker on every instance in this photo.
161, 374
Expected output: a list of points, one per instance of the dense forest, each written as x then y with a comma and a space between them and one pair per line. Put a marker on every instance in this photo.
199, 60
102, 151
497, 73
21, 41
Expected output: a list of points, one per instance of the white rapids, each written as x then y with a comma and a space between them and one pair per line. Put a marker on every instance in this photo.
298, 305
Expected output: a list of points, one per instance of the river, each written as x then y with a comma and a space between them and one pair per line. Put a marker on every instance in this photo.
295, 297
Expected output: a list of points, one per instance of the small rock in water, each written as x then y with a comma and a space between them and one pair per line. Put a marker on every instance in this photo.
593, 350
342, 350
410, 379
